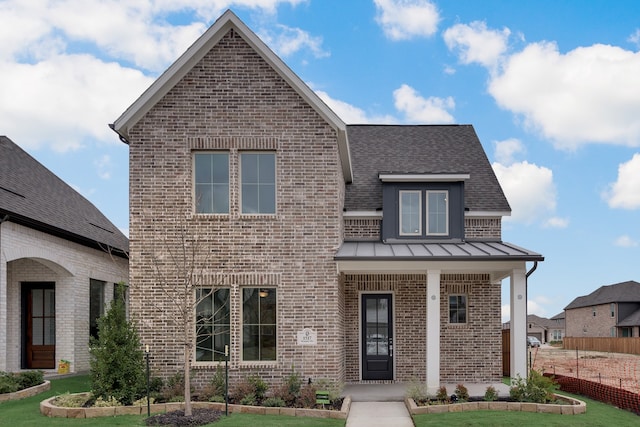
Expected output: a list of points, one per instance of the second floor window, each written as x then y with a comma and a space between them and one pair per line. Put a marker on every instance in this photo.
437, 213
457, 309
212, 183
258, 183
410, 213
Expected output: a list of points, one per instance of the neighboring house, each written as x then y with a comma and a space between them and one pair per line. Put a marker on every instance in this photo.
609, 311
59, 258
352, 253
544, 329
557, 327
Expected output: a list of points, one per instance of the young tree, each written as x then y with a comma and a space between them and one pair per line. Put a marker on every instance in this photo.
178, 267
117, 365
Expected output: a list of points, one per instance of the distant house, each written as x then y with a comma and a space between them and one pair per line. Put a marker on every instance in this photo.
59, 259
354, 253
609, 311
546, 330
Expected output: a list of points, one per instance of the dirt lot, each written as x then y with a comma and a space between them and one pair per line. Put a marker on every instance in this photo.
615, 369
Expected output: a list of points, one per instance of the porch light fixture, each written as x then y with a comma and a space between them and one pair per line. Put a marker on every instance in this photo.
263, 293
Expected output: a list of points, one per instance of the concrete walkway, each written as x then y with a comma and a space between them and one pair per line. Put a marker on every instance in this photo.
382, 405
379, 414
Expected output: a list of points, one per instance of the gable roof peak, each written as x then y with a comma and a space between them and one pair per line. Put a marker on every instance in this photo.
176, 71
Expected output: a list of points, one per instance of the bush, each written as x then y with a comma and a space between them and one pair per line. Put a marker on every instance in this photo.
68, 400
273, 402
490, 394
216, 387
259, 386
442, 395
117, 365
537, 388
307, 398
417, 390
249, 399
10, 383
333, 388
462, 393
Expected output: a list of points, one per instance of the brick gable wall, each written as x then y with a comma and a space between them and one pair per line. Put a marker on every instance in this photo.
234, 101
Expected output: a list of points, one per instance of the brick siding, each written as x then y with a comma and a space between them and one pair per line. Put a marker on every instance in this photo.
580, 322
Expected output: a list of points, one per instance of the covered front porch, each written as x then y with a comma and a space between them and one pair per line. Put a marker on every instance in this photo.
414, 285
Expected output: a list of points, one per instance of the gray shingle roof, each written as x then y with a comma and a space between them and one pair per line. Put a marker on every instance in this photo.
420, 149
33, 196
631, 320
620, 292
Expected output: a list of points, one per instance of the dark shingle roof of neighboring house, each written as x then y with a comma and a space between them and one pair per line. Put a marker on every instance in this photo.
420, 149
620, 292
631, 320
560, 316
33, 196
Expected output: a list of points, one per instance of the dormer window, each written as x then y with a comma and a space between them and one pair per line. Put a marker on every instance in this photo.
423, 206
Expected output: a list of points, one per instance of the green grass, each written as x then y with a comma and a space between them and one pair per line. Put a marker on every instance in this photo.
598, 414
26, 412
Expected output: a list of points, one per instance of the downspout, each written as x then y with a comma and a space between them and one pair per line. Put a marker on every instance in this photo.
526, 305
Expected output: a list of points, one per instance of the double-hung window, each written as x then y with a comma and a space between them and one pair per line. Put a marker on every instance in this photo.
437, 213
96, 305
212, 182
457, 309
259, 324
410, 213
212, 324
258, 183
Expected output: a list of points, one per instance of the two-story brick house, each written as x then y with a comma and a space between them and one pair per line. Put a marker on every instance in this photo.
352, 253
609, 311
59, 260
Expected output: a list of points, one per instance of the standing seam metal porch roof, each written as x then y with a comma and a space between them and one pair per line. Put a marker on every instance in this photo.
462, 251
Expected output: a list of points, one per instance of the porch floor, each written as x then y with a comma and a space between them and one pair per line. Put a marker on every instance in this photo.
396, 392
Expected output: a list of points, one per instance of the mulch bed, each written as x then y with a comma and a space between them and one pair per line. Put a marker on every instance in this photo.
199, 417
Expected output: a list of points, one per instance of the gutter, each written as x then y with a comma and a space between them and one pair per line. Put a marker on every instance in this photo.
122, 138
526, 305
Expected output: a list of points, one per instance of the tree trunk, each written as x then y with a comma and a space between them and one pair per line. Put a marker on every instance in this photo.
187, 381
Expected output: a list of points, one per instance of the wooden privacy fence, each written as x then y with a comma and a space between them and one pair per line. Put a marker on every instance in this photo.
609, 345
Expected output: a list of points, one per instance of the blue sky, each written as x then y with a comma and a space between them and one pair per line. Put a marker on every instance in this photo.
552, 89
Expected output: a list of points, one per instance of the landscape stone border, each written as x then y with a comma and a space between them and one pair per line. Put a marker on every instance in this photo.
573, 407
27, 392
48, 409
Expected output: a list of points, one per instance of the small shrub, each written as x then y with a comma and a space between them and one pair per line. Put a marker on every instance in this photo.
249, 399
242, 389
417, 390
100, 402
217, 399
490, 394
173, 389
8, 383
283, 391
273, 402
29, 379
334, 389
537, 388
68, 400
143, 401
462, 393
307, 398
442, 395
259, 386
216, 387
293, 383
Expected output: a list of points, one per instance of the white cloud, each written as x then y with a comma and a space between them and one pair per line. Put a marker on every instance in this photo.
529, 189
103, 166
417, 109
556, 222
405, 19
65, 99
587, 95
291, 40
625, 241
534, 306
635, 38
506, 151
625, 192
475, 43
351, 114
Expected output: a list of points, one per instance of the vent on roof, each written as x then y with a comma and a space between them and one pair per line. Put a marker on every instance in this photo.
101, 228
12, 192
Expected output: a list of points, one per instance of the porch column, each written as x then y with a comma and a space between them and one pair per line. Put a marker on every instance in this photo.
433, 331
4, 330
518, 340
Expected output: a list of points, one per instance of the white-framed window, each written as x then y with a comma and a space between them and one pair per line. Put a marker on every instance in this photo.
212, 324
437, 213
457, 309
613, 309
259, 324
613, 331
258, 183
594, 312
410, 213
211, 182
